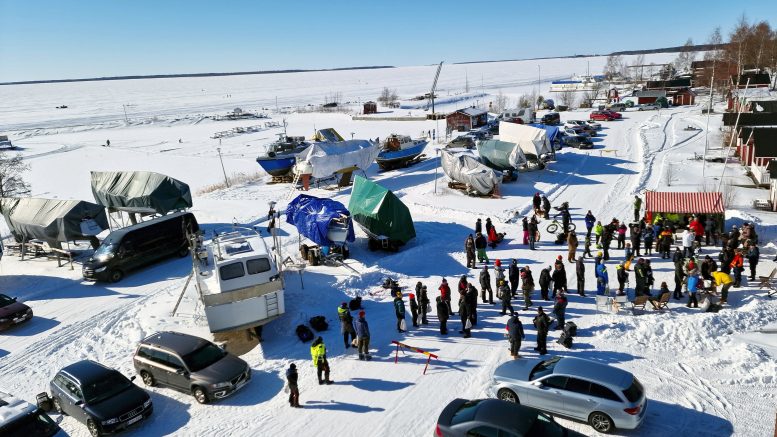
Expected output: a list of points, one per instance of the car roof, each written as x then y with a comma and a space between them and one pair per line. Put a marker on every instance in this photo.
118, 234
87, 371
507, 415
594, 371
11, 408
177, 342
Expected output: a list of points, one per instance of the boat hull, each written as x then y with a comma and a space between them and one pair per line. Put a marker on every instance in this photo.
277, 166
390, 159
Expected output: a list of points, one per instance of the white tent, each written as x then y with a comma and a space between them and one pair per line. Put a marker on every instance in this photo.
467, 169
326, 158
532, 140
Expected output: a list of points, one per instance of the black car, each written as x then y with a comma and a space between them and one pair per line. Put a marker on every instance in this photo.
577, 141
138, 245
551, 118
12, 312
99, 397
464, 141
190, 364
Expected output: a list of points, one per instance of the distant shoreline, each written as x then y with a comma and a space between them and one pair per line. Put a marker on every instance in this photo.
698, 47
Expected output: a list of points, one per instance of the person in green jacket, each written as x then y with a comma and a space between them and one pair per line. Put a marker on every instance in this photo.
637, 207
318, 353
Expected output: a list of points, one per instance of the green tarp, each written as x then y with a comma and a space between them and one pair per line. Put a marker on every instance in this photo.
379, 212
501, 155
140, 191
53, 220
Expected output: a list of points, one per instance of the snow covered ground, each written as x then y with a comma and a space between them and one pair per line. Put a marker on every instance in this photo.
705, 374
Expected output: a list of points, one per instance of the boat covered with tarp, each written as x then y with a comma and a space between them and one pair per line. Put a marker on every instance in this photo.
53, 221
325, 222
533, 141
551, 131
324, 159
466, 169
142, 192
501, 155
384, 218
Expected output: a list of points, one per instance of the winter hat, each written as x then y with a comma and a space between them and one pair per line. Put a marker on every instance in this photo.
344, 305
498, 262
361, 314
411, 295
423, 287
292, 366
444, 281
559, 258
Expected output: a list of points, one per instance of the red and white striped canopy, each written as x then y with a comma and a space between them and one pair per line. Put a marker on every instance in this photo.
681, 203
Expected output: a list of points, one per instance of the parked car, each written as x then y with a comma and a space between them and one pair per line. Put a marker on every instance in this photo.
577, 141
601, 116
99, 397
464, 141
492, 417
13, 312
593, 124
619, 107
190, 364
551, 118
5, 143
613, 114
604, 396
22, 419
583, 125
575, 130
138, 245
649, 107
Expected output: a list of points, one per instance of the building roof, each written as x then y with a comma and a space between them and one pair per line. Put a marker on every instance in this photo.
765, 143
681, 203
750, 119
472, 112
760, 106
650, 93
663, 84
756, 79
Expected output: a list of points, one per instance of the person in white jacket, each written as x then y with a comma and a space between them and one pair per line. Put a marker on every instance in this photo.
688, 238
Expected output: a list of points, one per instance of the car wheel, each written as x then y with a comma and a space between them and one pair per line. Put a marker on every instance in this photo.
505, 394
91, 425
601, 422
116, 275
58, 407
200, 395
147, 378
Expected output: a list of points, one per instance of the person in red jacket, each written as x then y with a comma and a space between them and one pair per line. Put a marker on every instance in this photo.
698, 229
737, 266
445, 295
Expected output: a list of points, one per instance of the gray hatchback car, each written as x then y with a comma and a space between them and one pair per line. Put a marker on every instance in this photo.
604, 396
190, 364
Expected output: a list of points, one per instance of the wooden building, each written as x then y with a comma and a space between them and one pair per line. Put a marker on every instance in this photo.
370, 108
649, 96
466, 119
684, 96
750, 80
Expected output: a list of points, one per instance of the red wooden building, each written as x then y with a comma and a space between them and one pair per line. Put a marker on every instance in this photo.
466, 119
370, 108
757, 146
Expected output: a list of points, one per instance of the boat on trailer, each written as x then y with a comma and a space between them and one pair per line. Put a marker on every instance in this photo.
238, 280
280, 156
400, 151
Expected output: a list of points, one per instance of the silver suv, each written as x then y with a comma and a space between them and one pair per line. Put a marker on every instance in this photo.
190, 364
604, 396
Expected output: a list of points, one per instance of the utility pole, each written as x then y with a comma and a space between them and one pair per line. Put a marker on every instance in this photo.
707, 131
218, 149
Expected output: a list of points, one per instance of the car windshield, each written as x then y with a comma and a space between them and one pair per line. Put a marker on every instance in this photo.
5, 300
203, 357
35, 424
634, 392
544, 368
111, 385
104, 251
544, 426
465, 413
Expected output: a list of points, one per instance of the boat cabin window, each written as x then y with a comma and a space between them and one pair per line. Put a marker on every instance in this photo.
231, 271
234, 247
258, 265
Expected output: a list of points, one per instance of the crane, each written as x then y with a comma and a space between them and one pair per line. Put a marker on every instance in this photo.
434, 87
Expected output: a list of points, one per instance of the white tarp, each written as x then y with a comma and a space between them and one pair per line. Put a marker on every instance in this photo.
325, 158
468, 170
532, 140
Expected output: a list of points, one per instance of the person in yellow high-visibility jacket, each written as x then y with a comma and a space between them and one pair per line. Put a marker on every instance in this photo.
725, 280
318, 353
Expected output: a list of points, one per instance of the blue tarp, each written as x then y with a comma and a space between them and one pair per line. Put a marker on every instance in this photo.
312, 215
550, 131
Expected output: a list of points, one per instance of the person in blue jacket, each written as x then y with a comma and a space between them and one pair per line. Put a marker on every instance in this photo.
602, 279
693, 286
590, 221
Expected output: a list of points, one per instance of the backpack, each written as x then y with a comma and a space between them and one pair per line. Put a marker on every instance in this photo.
304, 333
355, 304
565, 340
319, 323
570, 329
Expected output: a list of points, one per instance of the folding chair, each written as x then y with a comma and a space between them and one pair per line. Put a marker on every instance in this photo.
661, 303
602, 301
639, 302
620, 303
769, 283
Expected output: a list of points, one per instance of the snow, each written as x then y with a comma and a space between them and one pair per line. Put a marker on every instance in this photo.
705, 374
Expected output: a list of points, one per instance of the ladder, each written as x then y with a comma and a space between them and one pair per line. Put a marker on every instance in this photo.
294, 183
271, 301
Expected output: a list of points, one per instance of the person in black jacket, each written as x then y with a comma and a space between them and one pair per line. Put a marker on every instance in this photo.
423, 302
532, 232
488, 225
514, 274
559, 277
641, 278
469, 248
478, 226
485, 285
503, 293
545, 207
542, 323
679, 277
464, 316
442, 315
636, 241
537, 203
414, 309
515, 335
623, 277
480, 247
471, 300
559, 309
580, 272
545, 283
291, 378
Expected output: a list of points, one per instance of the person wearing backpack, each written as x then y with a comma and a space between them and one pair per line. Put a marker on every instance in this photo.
318, 353
399, 311
363, 337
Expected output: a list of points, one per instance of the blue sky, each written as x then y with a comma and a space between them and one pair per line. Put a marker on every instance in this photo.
56, 39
